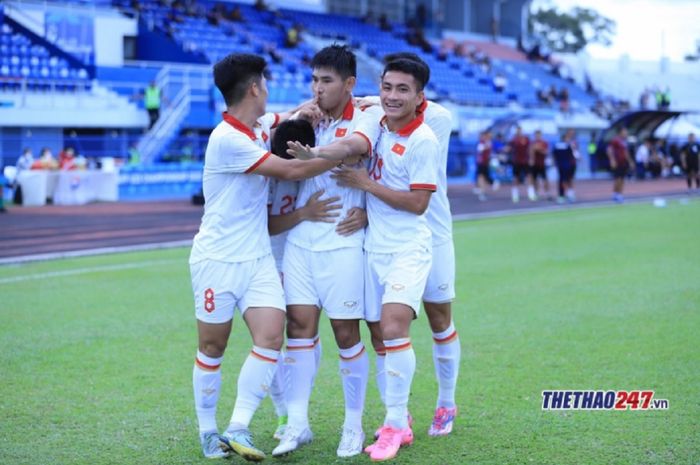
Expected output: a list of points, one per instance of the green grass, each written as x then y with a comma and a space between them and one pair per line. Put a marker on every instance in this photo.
96, 367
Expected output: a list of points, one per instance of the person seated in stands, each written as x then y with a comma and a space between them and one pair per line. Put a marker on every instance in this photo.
46, 161
260, 5
236, 15
384, 24
292, 37
368, 18
66, 159
564, 100
500, 82
273, 53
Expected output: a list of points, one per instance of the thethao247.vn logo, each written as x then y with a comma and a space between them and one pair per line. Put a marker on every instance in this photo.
601, 400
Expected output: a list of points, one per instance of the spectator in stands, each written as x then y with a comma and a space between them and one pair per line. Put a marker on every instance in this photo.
690, 160
236, 15
539, 151
384, 24
644, 99
564, 154
46, 161
66, 159
368, 17
260, 5
292, 36
641, 158
563, 97
500, 82
620, 163
519, 149
152, 101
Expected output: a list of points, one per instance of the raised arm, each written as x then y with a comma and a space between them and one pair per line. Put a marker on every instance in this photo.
354, 145
291, 170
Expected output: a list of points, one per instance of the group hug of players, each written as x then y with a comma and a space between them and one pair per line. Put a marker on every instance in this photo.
339, 205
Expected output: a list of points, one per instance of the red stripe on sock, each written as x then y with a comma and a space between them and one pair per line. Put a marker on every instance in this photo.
204, 366
306, 347
347, 359
262, 357
447, 339
399, 348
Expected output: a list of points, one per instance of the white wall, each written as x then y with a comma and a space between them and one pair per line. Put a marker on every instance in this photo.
109, 38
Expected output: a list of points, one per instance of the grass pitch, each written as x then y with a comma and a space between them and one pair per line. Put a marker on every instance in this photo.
96, 353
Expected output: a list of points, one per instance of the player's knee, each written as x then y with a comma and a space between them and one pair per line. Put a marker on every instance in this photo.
214, 349
269, 340
347, 332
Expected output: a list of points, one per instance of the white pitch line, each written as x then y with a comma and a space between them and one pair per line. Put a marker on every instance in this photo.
94, 269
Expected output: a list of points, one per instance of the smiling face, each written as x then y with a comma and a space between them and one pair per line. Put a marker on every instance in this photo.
400, 97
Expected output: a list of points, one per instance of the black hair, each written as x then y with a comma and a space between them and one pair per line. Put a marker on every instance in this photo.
298, 130
234, 73
415, 69
389, 57
339, 58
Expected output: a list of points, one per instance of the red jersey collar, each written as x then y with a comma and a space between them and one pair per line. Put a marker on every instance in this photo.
349, 110
421, 108
239, 126
410, 126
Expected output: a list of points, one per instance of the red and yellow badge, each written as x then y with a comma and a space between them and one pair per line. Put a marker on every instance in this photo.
398, 149
340, 132
264, 136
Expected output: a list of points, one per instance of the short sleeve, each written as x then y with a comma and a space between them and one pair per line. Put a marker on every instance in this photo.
368, 127
234, 152
423, 165
269, 121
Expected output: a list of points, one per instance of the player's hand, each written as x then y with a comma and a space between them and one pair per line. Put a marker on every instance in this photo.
321, 210
355, 220
311, 113
352, 177
364, 102
299, 151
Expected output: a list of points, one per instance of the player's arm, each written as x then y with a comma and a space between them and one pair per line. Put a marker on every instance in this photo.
354, 145
291, 170
611, 156
314, 210
684, 156
415, 201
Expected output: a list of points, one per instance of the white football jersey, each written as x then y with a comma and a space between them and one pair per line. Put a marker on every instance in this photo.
234, 224
439, 119
321, 236
283, 196
404, 160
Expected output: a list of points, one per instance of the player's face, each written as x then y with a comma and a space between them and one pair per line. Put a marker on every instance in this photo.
399, 95
262, 94
329, 88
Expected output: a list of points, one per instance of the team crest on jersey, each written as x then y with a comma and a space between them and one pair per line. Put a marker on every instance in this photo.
264, 136
398, 149
340, 132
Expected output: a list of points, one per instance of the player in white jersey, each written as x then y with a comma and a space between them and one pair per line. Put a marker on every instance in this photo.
230, 262
400, 182
440, 288
283, 216
324, 270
